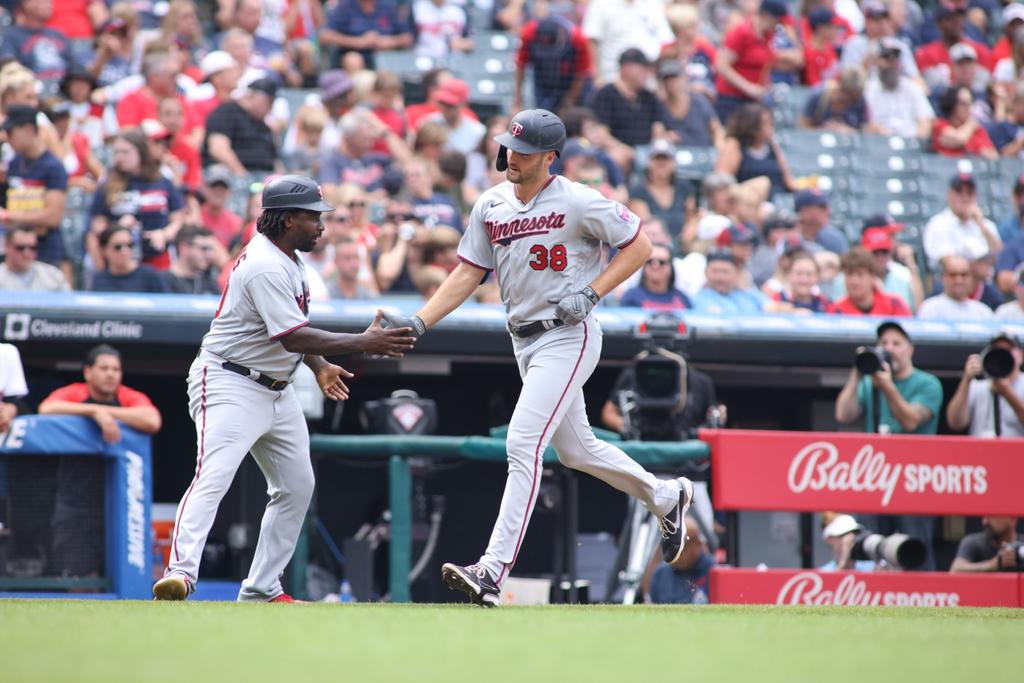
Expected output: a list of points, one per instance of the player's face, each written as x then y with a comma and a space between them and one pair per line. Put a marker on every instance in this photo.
526, 168
308, 227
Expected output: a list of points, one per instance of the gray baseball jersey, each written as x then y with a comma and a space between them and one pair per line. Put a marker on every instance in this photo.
266, 298
548, 247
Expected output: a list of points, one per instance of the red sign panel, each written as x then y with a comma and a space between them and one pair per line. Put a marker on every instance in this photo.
885, 589
810, 471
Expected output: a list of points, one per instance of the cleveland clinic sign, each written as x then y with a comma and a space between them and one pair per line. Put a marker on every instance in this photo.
24, 326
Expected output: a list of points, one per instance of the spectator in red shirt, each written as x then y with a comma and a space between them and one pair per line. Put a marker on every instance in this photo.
806, 28
103, 398
160, 71
959, 132
559, 53
221, 73
1013, 20
432, 82
745, 61
225, 225
185, 155
933, 58
820, 59
386, 103
79, 19
864, 295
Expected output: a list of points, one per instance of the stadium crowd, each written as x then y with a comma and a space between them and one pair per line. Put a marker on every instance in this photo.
754, 139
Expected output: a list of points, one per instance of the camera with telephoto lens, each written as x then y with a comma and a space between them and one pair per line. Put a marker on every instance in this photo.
898, 551
1018, 551
997, 362
659, 389
870, 359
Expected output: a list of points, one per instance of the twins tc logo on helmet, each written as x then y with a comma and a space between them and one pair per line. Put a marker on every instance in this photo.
516, 129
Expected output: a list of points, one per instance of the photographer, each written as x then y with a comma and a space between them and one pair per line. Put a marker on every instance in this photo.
973, 405
896, 399
994, 549
908, 399
840, 534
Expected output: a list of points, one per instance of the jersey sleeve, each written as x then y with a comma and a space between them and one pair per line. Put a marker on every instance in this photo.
12, 374
606, 220
275, 303
475, 245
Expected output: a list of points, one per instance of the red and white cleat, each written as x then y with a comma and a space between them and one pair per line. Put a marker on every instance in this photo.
284, 597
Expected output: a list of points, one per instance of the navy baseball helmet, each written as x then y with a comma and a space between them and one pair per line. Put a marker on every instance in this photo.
529, 132
294, 192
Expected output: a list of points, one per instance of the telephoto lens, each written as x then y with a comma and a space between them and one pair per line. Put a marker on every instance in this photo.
899, 551
997, 362
869, 361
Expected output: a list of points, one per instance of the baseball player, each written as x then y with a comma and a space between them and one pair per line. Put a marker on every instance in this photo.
240, 393
542, 236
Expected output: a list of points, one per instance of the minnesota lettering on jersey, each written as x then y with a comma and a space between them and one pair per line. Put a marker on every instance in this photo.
506, 233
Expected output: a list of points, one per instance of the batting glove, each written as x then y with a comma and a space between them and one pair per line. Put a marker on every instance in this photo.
572, 309
415, 322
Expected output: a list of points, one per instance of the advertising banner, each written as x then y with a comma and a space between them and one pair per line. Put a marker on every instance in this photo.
813, 471
879, 589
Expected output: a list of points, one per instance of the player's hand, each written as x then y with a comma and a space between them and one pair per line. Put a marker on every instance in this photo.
389, 342
414, 323
329, 379
572, 309
108, 426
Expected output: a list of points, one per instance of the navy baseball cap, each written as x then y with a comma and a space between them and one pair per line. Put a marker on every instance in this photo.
805, 198
892, 325
776, 8
944, 11
963, 179
820, 16
20, 115
634, 56
720, 255
737, 233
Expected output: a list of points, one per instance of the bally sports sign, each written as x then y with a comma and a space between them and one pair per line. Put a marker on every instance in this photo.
809, 471
862, 589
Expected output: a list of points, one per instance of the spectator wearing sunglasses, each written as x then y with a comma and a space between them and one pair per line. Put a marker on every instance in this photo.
656, 291
955, 302
22, 271
124, 273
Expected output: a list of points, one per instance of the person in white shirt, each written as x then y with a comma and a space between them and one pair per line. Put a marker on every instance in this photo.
960, 229
1014, 310
22, 271
441, 28
955, 302
464, 133
896, 104
972, 406
614, 26
861, 50
12, 384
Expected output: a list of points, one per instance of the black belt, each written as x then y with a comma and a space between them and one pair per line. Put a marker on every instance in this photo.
268, 382
536, 327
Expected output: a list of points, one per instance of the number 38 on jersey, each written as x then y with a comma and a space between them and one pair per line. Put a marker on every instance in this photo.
543, 257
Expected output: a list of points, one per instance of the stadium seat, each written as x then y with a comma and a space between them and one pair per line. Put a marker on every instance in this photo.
827, 141
296, 97
405, 64
884, 145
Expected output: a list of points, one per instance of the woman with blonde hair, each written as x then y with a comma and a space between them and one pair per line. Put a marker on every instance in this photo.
301, 149
18, 85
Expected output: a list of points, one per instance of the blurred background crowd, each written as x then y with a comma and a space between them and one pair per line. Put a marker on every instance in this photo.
821, 156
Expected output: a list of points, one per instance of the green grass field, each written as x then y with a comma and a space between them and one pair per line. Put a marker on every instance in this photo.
70, 641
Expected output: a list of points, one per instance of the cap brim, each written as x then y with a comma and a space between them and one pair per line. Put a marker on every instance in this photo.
320, 206
516, 144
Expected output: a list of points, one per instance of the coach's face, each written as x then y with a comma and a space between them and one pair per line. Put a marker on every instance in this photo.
526, 168
104, 376
307, 228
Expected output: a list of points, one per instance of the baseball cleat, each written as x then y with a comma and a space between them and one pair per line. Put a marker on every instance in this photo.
173, 587
474, 581
285, 598
673, 527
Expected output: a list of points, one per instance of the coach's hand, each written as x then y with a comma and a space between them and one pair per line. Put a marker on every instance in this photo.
390, 342
572, 309
329, 379
414, 323
108, 426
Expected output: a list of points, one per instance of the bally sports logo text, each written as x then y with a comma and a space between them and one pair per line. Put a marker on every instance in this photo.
506, 233
808, 588
819, 467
